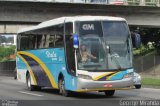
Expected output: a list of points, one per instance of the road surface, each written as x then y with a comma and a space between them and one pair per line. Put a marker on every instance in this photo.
15, 91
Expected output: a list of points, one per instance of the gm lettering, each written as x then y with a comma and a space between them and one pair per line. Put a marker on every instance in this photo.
88, 27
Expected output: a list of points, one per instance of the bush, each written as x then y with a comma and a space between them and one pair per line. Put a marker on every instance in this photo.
5, 52
143, 50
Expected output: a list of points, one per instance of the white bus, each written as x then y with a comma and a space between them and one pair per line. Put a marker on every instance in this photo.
79, 53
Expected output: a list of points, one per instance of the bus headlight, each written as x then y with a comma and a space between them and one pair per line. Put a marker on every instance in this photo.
129, 75
139, 77
85, 76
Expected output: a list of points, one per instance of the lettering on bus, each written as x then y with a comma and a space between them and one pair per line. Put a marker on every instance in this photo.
88, 26
51, 55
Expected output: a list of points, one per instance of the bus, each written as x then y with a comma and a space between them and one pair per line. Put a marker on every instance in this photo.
76, 54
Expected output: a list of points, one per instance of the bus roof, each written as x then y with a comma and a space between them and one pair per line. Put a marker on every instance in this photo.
61, 20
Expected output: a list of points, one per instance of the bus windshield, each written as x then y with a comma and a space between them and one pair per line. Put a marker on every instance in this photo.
92, 54
118, 42
104, 45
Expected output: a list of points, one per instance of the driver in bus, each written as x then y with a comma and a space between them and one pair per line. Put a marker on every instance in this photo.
85, 55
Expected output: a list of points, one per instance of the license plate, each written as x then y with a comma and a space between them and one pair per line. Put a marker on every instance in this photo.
107, 85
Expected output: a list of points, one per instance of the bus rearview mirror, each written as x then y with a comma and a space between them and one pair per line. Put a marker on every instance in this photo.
75, 41
136, 40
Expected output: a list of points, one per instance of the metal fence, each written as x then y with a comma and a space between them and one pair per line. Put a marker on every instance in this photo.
148, 65
7, 68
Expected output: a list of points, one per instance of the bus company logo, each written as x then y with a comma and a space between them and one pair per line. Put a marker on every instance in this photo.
52, 55
88, 26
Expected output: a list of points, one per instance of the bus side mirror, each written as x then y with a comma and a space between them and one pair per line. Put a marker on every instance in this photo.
75, 41
136, 40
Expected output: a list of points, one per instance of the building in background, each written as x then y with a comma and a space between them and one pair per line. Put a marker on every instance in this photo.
7, 40
113, 2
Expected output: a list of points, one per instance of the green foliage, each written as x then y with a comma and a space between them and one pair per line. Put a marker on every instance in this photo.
4, 59
5, 52
144, 49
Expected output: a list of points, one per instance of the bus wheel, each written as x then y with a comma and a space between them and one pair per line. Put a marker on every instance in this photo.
138, 86
109, 93
61, 86
28, 82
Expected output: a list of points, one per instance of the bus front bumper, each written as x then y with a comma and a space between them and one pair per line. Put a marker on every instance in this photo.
85, 85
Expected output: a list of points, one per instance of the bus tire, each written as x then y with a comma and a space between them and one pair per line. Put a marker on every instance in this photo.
28, 83
62, 90
138, 86
37, 88
109, 93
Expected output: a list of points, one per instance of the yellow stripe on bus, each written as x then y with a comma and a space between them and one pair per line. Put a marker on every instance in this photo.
52, 80
29, 69
96, 78
112, 76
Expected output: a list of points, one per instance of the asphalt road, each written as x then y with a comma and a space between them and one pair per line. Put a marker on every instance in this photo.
13, 91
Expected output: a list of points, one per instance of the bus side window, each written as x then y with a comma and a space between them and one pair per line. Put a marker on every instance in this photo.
32, 41
47, 41
69, 48
40, 41
70, 53
59, 41
52, 41
24, 42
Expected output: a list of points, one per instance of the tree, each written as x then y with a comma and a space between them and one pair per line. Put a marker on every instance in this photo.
3, 39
